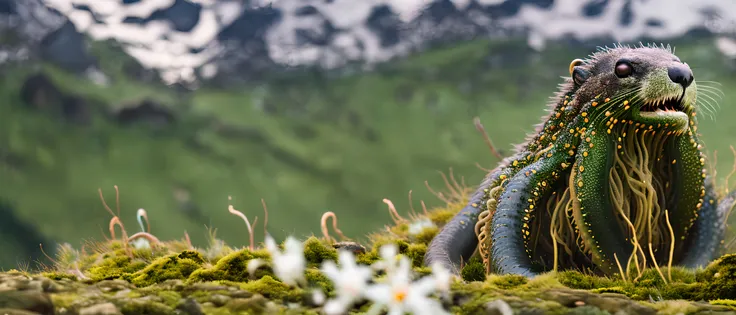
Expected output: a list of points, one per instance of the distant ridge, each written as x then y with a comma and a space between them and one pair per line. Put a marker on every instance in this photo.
189, 39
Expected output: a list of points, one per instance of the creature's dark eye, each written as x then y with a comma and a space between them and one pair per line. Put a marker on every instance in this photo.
623, 68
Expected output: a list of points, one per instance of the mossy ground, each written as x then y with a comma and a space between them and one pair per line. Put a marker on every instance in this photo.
172, 277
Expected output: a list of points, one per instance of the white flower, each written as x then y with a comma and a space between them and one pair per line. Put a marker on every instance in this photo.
289, 265
388, 261
400, 295
140, 243
418, 226
442, 277
501, 306
254, 264
350, 281
318, 297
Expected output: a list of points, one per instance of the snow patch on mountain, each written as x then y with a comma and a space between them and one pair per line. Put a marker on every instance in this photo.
187, 39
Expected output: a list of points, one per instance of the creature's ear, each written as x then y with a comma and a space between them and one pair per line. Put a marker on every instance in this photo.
578, 74
574, 64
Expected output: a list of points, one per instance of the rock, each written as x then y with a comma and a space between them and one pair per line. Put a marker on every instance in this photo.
113, 285
190, 306
353, 247
147, 112
39, 92
67, 48
51, 286
255, 304
34, 301
183, 15
610, 302
122, 293
241, 294
498, 307
219, 299
10, 311
172, 285
100, 309
205, 287
137, 307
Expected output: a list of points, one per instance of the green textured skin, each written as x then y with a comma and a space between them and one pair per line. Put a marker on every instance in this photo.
596, 220
688, 184
579, 131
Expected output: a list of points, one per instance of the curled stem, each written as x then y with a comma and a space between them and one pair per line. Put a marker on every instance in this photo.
143, 215
486, 138
151, 239
232, 210
325, 231
392, 210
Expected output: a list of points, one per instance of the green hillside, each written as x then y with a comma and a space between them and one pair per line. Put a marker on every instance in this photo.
306, 143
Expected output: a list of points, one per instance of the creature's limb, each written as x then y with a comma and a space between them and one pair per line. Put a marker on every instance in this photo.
704, 243
687, 183
456, 241
510, 223
593, 211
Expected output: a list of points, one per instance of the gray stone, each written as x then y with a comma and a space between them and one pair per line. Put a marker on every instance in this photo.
101, 309
34, 301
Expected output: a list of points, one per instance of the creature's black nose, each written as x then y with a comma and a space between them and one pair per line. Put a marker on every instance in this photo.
680, 75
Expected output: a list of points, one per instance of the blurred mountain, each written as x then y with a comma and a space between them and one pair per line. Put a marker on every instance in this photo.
234, 40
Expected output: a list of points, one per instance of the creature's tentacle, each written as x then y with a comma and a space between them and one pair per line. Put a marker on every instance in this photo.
510, 223
456, 241
593, 212
687, 183
704, 243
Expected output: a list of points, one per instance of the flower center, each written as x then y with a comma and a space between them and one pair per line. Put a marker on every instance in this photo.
400, 295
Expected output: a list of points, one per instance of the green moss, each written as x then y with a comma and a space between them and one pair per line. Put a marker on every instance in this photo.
170, 298
685, 291
401, 245
272, 289
317, 278
543, 282
426, 235
58, 275
725, 302
507, 281
400, 229
443, 215
379, 240
578, 280
423, 270
64, 299
720, 278
316, 251
114, 267
179, 266
474, 270
233, 267
416, 252
650, 277
367, 258
676, 307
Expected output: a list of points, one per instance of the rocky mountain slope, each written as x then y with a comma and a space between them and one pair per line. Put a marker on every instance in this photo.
233, 40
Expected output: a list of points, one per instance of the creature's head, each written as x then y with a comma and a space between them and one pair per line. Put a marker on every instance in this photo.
646, 85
